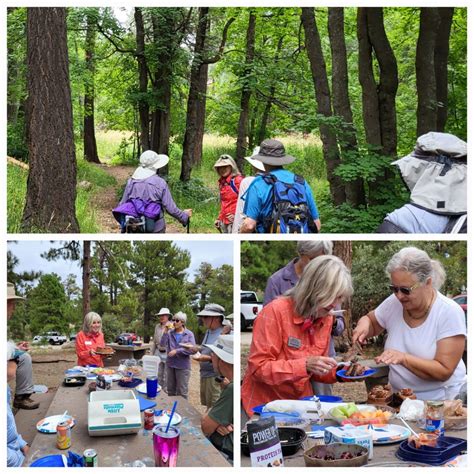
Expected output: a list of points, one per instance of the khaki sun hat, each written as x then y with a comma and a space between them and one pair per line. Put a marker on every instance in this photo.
212, 309
11, 295
223, 348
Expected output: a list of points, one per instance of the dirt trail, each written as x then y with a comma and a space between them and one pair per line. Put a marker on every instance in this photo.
108, 199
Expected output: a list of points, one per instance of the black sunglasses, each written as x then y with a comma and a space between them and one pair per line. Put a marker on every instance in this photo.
403, 289
176, 320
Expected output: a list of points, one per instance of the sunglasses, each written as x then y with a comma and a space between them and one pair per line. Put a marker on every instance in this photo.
406, 290
176, 320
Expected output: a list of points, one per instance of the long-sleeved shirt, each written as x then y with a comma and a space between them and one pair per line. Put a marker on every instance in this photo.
154, 189
156, 344
15, 442
277, 359
229, 191
84, 344
181, 359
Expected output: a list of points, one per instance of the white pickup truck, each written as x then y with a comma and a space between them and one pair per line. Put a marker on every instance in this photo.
249, 308
51, 337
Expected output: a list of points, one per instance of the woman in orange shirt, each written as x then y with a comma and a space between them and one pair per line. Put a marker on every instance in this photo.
89, 339
291, 335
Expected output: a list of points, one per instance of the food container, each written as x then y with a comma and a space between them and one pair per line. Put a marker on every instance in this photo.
350, 434
365, 420
291, 440
455, 423
314, 457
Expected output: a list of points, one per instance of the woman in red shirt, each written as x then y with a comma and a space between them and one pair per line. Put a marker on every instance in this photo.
291, 335
229, 184
89, 339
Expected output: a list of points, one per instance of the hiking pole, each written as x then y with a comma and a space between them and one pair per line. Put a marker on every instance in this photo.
187, 226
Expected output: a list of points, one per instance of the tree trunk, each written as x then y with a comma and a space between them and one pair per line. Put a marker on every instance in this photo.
388, 83
143, 109
90, 144
242, 128
427, 111
200, 115
86, 278
197, 92
323, 99
355, 194
441, 66
146, 311
51, 190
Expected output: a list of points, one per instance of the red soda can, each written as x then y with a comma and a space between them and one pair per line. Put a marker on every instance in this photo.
149, 418
63, 435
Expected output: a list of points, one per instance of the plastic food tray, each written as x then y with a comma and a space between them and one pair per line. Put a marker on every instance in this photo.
447, 448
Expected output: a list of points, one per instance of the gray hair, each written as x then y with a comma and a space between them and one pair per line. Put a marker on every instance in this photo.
181, 316
11, 348
90, 318
313, 248
324, 279
417, 262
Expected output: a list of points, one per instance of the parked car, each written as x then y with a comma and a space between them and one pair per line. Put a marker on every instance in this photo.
249, 308
461, 300
126, 338
50, 337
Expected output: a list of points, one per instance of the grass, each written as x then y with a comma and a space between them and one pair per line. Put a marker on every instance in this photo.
16, 185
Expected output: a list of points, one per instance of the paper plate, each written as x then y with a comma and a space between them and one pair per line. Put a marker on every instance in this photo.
162, 417
367, 373
49, 424
52, 460
142, 388
388, 434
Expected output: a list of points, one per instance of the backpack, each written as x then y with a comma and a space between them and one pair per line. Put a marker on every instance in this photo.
290, 211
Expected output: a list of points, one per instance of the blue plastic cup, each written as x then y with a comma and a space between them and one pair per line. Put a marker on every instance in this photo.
151, 386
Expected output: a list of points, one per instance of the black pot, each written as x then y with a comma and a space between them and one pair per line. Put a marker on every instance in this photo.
291, 440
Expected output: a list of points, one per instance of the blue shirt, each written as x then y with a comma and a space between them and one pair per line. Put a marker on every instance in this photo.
15, 442
258, 202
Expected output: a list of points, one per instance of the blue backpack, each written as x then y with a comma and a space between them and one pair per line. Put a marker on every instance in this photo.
290, 211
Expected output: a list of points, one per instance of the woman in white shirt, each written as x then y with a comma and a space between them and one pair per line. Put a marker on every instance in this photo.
426, 331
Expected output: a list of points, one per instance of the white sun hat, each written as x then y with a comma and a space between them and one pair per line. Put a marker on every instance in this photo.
150, 161
223, 348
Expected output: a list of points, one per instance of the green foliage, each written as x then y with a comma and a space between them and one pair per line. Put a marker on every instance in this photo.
16, 144
112, 326
16, 185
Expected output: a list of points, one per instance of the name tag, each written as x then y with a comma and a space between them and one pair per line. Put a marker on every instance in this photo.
294, 342
88, 343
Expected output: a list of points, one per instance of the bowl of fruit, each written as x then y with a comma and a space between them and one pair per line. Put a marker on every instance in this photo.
336, 455
370, 414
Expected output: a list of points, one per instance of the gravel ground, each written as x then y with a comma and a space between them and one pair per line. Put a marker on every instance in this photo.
50, 362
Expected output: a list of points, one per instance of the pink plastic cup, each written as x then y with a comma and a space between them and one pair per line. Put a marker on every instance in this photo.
165, 446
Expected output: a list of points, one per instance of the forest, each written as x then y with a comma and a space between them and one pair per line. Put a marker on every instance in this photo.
125, 282
366, 260
347, 90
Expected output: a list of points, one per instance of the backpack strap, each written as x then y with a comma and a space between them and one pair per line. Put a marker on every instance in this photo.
233, 186
456, 225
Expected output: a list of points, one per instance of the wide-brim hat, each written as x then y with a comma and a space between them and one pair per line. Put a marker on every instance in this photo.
212, 309
150, 161
435, 173
11, 295
223, 348
164, 312
255, 163
272, 152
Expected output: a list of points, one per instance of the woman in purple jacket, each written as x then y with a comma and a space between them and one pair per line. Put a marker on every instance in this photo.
178, 363
148, 194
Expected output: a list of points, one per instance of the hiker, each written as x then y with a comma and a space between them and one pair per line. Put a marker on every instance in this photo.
17, 447
287, 277
290, 340
147, 197
218, 423
426, 331
164, 316
178, 364
435, 173
89, 339
229, 183
265, 210
212, 317
258, 168
24, 388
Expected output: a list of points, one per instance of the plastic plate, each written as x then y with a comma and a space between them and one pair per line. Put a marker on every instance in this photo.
142, 388
367, 373
162, 417
388, 434
325, 398
49, 424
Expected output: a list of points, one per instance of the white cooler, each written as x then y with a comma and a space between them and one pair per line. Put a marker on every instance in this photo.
113, 412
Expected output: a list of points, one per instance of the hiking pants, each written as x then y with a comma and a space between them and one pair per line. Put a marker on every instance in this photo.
24, 375
178, 381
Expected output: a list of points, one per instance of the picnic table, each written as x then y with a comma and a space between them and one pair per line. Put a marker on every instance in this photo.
382, 453
195, 450
125, 352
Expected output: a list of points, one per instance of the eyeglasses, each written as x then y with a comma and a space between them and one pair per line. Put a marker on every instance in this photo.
176, 320
403, 289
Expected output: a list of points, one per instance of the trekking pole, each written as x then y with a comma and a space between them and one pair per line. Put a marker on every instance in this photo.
187, 226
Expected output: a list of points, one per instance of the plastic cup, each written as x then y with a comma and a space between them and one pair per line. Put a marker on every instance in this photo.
166, 446
151, 386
